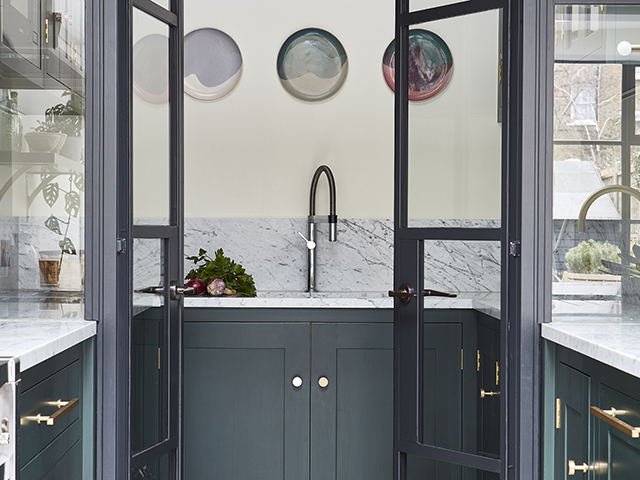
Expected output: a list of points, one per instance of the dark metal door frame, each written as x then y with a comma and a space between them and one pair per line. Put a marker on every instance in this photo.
409, 252
171, 237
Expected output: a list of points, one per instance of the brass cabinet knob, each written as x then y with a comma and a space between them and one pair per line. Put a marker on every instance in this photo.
572, 467
323, 382
296, 382
487, 394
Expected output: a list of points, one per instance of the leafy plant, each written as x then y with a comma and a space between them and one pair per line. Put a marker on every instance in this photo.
224, 268
633, 270
64, 118
587, 257
51, 193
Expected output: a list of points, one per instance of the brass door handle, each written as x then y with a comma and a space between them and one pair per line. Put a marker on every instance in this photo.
609, 416
487, 394
407, 292
63, 409
572, 467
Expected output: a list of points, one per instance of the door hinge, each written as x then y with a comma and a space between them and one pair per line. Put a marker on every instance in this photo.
514, 248
558, 410
462, 359
478, 361
121, 245
497, 373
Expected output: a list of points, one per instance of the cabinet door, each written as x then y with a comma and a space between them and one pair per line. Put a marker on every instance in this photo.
488, 406
572, 438
243, 417
618, 455
352, 415
64, 43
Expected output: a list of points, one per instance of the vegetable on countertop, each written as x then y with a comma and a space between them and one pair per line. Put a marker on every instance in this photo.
199, 285
222, 268
216, 287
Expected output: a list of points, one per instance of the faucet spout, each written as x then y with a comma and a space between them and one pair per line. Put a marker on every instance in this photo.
597, 194
332, 219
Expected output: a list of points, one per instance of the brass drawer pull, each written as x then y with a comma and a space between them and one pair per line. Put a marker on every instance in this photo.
484, 394
63, 409
572, 467
609, 416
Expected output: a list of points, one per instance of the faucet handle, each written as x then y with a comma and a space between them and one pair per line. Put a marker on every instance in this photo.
310, 244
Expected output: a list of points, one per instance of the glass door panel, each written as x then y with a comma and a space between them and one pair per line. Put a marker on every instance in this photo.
156, 223
420, 468
455, 131
450, 259
148, 347
151, 121
461, 347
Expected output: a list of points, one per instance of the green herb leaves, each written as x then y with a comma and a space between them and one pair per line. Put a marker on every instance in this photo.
224, 268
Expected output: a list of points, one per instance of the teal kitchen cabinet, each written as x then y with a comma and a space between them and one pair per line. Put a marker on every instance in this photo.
246, 401
295, 394
591, 411
56, 417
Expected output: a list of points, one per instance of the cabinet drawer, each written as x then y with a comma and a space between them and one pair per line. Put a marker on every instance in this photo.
619, 453
62, 458
65, 384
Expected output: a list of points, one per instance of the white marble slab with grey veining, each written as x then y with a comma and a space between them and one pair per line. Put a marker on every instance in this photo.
485, 303
615, 344
36, 340
360, 260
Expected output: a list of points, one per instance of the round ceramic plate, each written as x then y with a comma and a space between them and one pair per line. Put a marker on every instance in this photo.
312, 65
212, 64
430, 65
151, 68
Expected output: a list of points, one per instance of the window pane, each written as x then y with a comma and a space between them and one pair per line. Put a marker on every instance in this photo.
587, 101
455, 129
595, 168
151, 120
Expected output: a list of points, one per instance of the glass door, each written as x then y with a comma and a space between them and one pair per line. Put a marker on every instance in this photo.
154, 245
455, 239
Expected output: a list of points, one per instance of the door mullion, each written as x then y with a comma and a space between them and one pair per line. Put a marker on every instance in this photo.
408, 338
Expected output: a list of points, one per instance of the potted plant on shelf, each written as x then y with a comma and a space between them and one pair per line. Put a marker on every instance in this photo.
62, 129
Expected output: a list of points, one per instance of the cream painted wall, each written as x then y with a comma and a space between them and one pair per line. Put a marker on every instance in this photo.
253, 152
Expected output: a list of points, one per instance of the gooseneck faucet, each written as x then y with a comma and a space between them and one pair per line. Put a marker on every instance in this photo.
582, 216
332, 220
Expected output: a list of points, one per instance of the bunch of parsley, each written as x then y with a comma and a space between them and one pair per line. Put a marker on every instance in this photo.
224, 268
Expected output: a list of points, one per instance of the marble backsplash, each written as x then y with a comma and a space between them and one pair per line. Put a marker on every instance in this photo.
360, 260
27, 240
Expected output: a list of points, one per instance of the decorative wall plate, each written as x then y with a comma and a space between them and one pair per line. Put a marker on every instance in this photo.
212, 64
312, 64
151, 68
430, 65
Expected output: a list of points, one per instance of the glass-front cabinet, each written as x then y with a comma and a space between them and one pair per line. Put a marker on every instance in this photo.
591, 408
42, 159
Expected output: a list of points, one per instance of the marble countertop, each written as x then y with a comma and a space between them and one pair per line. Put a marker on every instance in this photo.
488, 303
604, 330
34, 340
